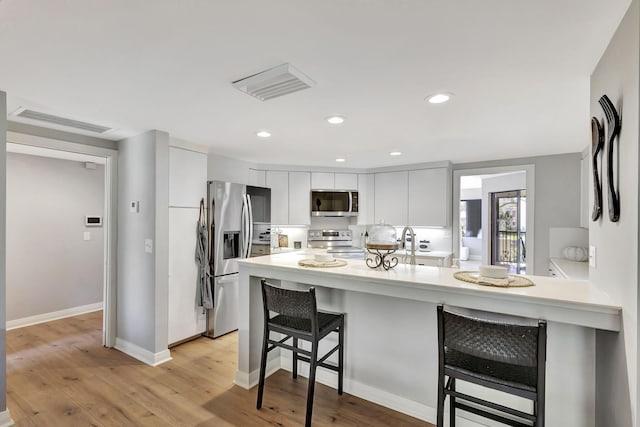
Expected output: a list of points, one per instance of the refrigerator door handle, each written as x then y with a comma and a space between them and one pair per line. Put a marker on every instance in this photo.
244, 232
249, 226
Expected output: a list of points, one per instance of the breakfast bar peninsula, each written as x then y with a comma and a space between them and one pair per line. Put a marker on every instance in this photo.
391, 331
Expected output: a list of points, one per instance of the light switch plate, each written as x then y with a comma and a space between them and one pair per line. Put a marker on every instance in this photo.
87, 235
148, 246
592, 256
134, 206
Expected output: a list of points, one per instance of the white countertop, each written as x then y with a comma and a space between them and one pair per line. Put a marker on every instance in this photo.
569, 301
572, 269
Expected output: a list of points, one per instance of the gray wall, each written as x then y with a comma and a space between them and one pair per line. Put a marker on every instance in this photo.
62, 136
616, 270
143, 277
50, 266
3, 253
557, 196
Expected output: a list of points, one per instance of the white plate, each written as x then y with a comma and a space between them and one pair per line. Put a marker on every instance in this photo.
477, 276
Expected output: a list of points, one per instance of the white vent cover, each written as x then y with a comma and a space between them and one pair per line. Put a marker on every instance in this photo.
277, 81
60, 121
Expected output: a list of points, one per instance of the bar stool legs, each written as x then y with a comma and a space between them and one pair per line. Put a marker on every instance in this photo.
340, 359
295, 358
452, 404
263, 369
297, 317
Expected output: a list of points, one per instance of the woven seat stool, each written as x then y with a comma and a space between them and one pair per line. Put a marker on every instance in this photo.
297, 317
504, 356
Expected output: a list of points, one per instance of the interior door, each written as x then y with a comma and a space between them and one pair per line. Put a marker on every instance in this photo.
508, 230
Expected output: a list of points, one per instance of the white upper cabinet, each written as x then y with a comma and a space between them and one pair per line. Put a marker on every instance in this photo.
278, 181
323, 180
429, 197
257, 178
299, 198
346, 181
391, 196
366, 189
187, 177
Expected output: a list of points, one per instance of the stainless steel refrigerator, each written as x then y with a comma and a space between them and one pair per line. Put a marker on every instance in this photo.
235, 213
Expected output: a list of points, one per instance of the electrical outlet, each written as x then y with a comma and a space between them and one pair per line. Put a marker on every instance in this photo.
592, 256
148, 246
134, 206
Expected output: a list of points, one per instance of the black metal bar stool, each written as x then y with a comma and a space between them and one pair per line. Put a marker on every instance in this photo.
508, 357
297, 317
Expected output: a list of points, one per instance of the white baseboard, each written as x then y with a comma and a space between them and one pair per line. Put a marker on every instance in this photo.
55, 315
250, 380
366, 392
143, 355
5, 419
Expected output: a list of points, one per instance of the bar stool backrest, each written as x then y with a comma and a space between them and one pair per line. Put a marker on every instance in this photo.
500, 342
291, 303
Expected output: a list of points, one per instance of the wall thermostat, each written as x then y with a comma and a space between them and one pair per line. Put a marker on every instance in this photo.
93, 221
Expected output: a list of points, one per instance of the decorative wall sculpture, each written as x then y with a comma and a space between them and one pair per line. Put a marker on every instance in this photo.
613, 130
597, 142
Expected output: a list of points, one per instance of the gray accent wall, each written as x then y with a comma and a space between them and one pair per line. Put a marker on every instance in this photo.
557, 196
142, 307
50, 267
617, 254
3, 252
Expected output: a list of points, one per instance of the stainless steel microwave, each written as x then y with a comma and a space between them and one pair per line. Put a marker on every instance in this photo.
334, 203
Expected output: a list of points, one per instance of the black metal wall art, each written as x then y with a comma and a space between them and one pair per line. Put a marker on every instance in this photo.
613, 130
597, 142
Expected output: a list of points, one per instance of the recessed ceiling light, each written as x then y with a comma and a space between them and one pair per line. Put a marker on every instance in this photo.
439, 98
263, 134
340, 160
395, 153
335, 120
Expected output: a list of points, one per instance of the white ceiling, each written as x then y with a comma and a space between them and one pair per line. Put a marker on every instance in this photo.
519, 70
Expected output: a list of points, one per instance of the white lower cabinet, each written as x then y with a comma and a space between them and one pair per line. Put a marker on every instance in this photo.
185, 319
554, 272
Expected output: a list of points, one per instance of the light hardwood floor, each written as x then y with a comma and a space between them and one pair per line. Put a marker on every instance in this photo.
58, 374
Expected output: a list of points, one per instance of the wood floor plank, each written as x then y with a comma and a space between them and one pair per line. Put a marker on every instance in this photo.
58, 374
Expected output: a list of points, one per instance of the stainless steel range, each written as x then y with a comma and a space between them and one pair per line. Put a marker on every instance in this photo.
337, 242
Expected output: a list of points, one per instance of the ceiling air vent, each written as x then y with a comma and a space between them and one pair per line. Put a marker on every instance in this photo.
277, 81
61, 121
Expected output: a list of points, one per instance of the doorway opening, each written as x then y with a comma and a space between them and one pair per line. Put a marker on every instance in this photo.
493, 217
509, 230
106, 271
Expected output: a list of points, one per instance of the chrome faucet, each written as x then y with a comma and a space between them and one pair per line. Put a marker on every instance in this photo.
412, 260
